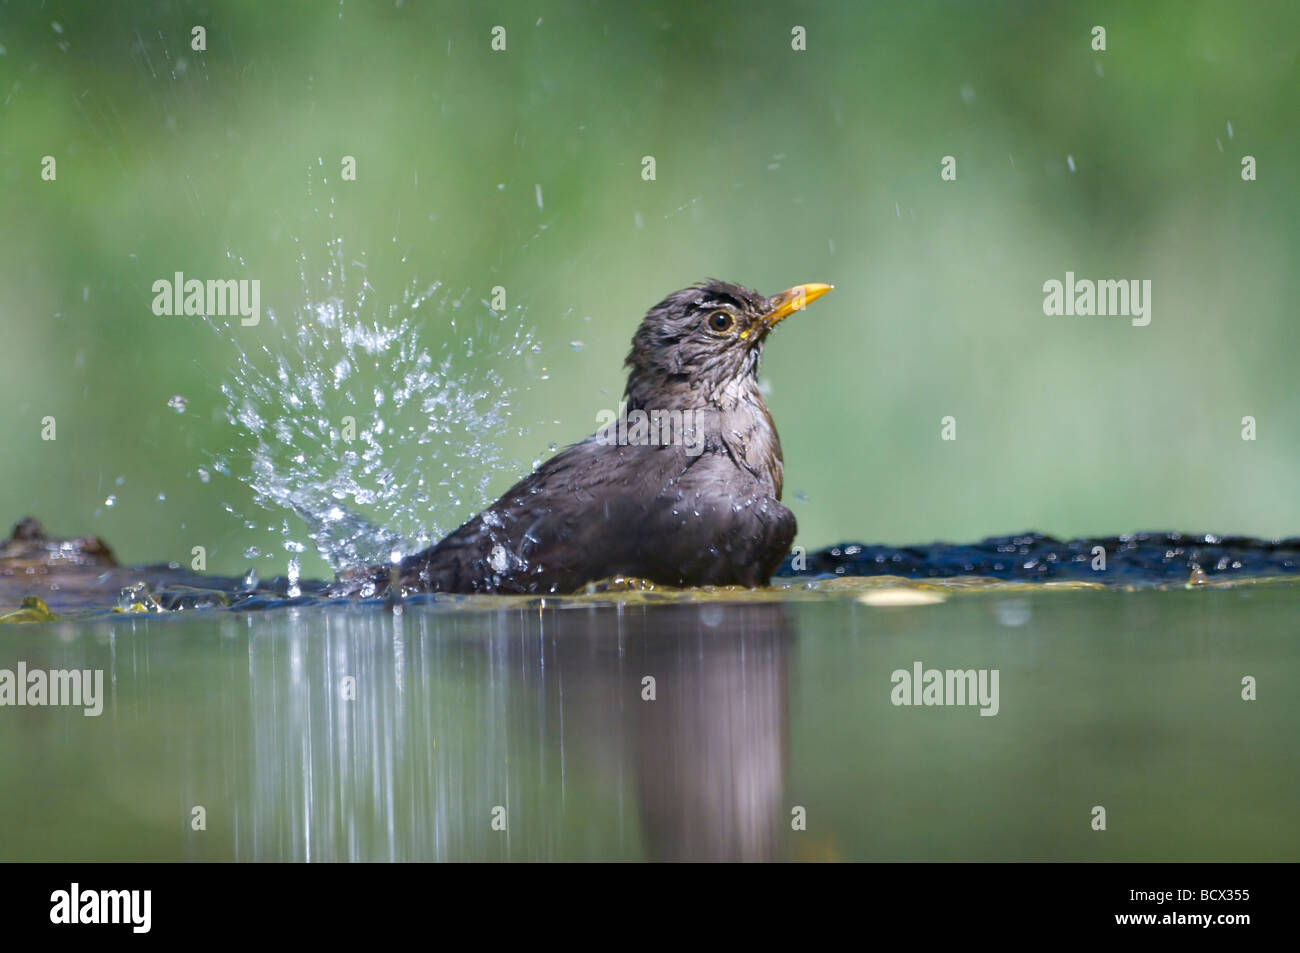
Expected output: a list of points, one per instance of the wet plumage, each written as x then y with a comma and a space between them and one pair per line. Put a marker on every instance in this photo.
702, 507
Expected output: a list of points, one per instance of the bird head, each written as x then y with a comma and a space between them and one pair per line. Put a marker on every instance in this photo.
703, 344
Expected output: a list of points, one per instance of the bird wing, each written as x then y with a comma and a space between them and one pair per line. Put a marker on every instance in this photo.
576, 514
596, 511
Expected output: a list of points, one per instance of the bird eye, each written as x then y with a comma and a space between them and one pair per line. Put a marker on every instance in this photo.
721, 321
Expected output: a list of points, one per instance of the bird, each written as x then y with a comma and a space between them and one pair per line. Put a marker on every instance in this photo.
681, 487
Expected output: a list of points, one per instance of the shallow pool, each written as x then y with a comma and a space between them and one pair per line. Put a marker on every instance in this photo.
525, 729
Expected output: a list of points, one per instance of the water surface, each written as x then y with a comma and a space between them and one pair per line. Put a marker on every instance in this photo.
763, 705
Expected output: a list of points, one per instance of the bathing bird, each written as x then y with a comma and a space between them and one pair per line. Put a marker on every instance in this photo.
682, 486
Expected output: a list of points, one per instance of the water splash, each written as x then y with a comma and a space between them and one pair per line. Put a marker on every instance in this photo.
371, 437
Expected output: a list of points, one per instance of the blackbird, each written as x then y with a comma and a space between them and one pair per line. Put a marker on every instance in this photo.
682, 487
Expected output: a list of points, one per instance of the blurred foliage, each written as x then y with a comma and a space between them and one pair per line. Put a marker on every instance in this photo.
774, 167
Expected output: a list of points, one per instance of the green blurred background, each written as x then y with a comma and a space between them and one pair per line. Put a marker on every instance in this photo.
773, 167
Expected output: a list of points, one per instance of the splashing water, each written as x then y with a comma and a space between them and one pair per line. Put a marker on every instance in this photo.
356, 427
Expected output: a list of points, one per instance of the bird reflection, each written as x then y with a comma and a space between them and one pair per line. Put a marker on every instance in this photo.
579, 733
711, 750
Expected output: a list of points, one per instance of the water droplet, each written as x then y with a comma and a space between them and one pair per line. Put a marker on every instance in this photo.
250, 579
1012, 612
204, 475
178, 404
110, 501
1069, 161
132, 596
576, 345
801, 497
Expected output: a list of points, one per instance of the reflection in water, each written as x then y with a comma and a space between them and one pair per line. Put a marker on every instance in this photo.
1129, 699
711, 752
454, 716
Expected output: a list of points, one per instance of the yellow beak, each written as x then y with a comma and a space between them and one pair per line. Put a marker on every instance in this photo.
794, 299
